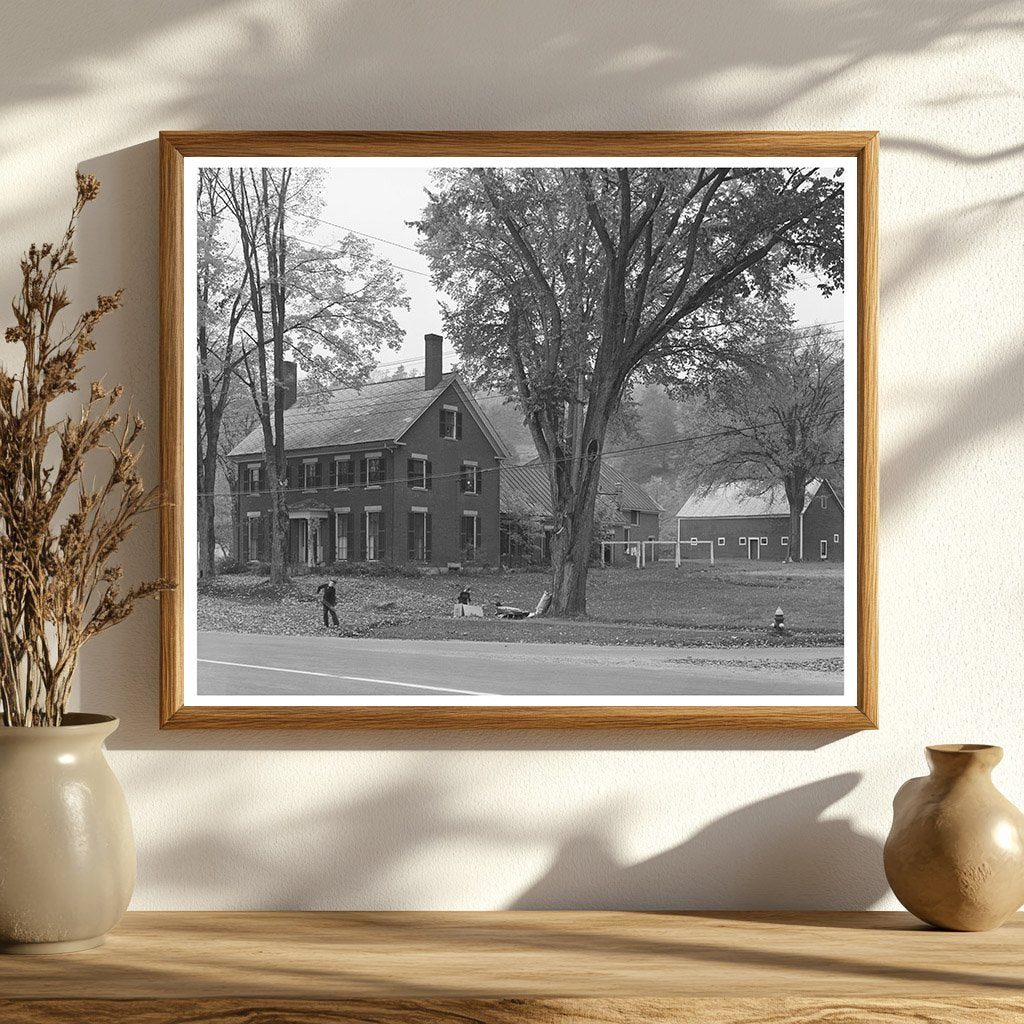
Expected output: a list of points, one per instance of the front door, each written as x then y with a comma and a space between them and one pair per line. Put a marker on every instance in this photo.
754, 548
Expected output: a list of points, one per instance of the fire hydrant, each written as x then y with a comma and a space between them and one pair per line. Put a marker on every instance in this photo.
780, 620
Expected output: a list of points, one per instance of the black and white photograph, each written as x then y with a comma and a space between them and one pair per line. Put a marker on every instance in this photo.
520, 431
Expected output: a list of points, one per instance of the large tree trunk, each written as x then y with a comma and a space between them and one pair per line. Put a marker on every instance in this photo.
570, 563
796, 490
207, 507
278, 535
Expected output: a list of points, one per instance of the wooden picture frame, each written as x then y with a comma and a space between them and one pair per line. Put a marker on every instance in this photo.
177, 147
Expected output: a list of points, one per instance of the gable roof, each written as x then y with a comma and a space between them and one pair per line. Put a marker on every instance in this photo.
377, 413
526, 488
736, 500
631, 496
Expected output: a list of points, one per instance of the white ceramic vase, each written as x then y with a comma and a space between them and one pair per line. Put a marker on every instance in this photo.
67, 854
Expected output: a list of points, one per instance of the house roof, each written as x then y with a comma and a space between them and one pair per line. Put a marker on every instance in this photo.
375, 414
632, 497
736, 499
526, 488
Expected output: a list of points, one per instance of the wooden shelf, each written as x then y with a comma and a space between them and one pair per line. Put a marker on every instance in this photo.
425, 968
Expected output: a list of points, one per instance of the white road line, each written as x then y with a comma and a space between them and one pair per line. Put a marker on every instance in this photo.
351, 679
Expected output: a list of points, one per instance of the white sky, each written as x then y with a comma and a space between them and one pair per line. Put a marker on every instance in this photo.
379, 200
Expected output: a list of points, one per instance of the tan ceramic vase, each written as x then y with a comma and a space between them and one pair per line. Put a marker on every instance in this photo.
67, 856
955, 855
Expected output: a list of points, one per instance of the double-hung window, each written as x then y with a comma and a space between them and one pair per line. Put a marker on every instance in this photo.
251, 477
343, 535
451, 422
344, 472
310, 474
472, 478
373, 469
470, 536
374, 534
419, 472
419, 535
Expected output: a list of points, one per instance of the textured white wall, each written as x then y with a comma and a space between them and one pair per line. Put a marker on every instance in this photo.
340, 820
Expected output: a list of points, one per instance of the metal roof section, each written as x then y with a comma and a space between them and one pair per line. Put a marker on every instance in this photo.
743, 499
526, 489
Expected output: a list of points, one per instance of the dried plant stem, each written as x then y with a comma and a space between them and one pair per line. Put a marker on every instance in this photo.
58, 588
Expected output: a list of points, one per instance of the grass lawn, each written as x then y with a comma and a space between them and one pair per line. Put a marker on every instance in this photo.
729, 604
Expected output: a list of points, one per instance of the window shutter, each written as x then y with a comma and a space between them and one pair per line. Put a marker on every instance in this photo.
441, 421
350, 521
458, 425
411, 475
382, 547
363, 470
479, 480
412, 536
428, 538
462, 534
430, 477
463, 479
362, 538
334, 473
479, 533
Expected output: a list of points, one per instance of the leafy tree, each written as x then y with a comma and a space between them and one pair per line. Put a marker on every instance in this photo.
563, 284
220, 306
784, 414
330, 308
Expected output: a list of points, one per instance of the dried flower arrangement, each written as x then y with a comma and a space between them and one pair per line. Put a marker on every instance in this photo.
58, 588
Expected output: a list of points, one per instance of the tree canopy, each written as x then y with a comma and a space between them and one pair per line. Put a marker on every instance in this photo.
564, 283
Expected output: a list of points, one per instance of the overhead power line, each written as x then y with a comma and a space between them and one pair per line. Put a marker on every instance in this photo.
612, 453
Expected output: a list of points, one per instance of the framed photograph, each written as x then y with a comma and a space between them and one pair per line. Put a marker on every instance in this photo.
519, 430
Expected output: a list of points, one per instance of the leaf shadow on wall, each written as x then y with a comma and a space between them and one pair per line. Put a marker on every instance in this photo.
777, 853
403, 843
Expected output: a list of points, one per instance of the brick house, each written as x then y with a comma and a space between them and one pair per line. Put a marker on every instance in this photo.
755, 526
400, 471
625, 510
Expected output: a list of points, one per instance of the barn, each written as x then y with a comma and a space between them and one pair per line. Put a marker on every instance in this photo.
742, 523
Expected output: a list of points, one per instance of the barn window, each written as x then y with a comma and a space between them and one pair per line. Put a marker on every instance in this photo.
764, 540
824, 501
835, 538
721, 542
743, 542
785, 542
824, 549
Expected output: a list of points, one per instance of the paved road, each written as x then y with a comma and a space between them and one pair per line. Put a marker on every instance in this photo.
239, 664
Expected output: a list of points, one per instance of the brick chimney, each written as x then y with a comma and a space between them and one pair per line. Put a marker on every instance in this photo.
289, 384
433, 368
